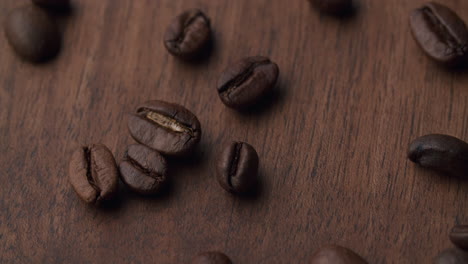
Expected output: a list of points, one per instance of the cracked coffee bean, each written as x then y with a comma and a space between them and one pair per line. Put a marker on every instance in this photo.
245, 82
441, 33
442, 153
188, 34
32, 34
334, 7
336, 255
452, 256
459, 236
166, 127
143, 169
238, 167
211, 258
93, 173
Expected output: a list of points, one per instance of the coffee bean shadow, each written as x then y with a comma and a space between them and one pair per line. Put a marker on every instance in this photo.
345, 15
194, 158
112, 206
65, 10
441, 177
460, 69
188, 166
274, 98
163, 195
60, 15
255, 194
50, 58
115, 204
348, 14
125, 194
203, 56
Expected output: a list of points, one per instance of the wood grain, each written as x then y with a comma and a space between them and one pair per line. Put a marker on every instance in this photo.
332, 138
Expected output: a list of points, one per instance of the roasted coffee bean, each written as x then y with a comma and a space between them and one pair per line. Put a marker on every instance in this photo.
52, 3
188, 34
441, 33
336, 7
211, 258
442, 153
143, 169
32, 34
459, 236
245, 82
168, 128
238, 167
452, 256
93, 173
336, 255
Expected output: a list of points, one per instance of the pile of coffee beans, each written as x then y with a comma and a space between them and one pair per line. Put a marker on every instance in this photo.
32, 30
164, 129
161, 128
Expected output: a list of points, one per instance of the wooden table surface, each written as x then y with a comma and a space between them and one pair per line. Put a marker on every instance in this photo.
332, 137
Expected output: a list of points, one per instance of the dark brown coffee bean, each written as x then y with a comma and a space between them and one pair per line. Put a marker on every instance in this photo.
93, 173
32, 34
52, 3
336, 255
143, 169
442, 153
168, 128
238, 167
245, 82
211, 258
441, 33
188, 34
459, 236
336, 7
452, 256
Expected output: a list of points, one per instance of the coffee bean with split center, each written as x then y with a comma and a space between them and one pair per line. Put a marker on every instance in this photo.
188, 34
336, 255
245, 82
442, 153
441, 33
93, 173
238, 167
459, 236
32, 33
166, 127
143, 169
212, 257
